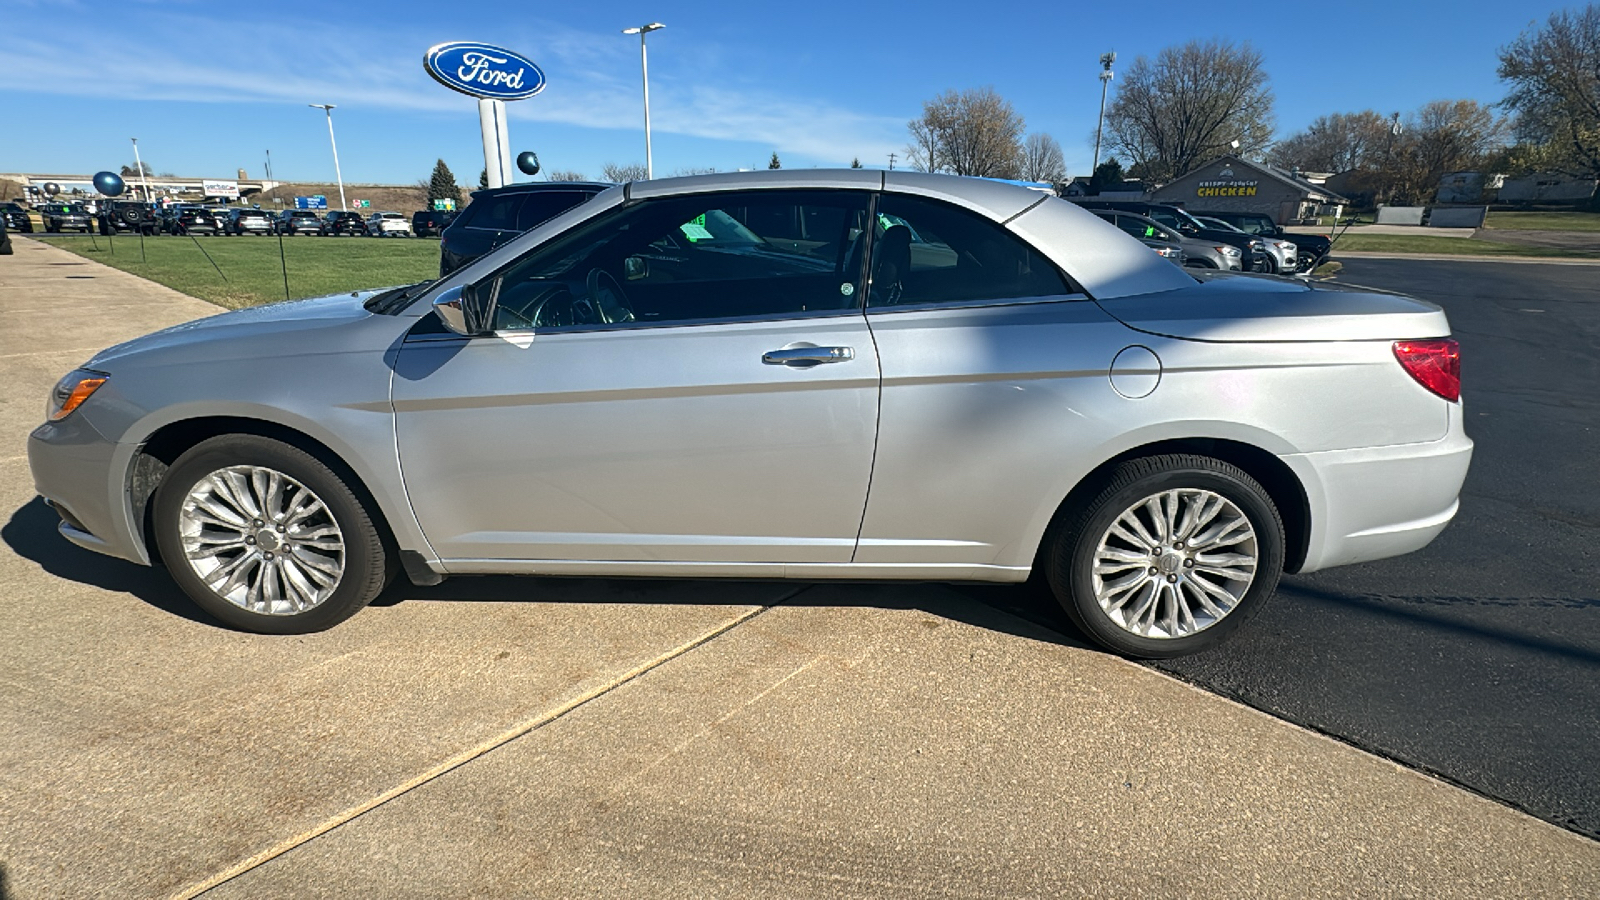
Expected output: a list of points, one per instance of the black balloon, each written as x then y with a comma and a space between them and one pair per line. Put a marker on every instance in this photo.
108, 183
528, 162
51, 188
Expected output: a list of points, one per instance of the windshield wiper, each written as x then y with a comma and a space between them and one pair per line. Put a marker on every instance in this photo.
392, 301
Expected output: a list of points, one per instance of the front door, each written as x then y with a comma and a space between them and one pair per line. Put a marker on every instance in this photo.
667, 383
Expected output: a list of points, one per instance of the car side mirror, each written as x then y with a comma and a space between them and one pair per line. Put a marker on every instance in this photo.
458, 308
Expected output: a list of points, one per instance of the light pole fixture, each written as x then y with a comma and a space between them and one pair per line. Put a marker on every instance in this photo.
143, 179
644, 68
328, 108
1106, 59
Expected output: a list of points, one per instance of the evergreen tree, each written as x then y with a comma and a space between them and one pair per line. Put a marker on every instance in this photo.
774, 164
442, 186
483, 178
855, 163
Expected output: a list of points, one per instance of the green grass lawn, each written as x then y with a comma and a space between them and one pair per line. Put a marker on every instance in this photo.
1447, 246
316, 265
1543, 221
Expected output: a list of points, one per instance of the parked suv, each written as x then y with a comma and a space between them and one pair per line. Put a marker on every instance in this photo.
184, 219
65, 216
248, 221
497, 215
127, 215
1280, 254
299, 221
388, 224
16, 218
340, 222
1310, 249
430, 222
1197, 253
1252, 250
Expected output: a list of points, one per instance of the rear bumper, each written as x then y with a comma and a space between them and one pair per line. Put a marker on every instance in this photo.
1376, 502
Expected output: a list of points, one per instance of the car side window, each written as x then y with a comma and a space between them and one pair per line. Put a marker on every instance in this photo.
925, 251
1137, 228
740, 255
498, 213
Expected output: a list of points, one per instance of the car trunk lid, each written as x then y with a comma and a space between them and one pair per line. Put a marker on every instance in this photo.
1245, 308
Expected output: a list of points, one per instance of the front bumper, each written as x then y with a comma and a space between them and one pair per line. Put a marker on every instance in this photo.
83, 476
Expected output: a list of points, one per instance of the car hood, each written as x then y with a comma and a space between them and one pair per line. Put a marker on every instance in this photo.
258, 322
1240, 308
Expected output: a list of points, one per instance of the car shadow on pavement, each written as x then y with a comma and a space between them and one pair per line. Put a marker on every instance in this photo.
1025, 610
31, 534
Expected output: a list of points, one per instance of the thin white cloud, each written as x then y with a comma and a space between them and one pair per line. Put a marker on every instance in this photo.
596, 84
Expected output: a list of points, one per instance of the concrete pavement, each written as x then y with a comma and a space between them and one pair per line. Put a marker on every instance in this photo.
584, 737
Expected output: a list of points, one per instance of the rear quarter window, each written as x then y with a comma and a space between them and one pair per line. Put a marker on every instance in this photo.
495, 213
546, 205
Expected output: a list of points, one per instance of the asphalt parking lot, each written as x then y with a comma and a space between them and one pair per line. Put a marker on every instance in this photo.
540, 737
1476, 658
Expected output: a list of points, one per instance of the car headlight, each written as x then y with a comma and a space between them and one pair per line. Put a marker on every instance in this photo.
1228, 251
70, 392
1285, 246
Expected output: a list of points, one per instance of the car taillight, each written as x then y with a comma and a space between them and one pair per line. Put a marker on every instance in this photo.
1435, 364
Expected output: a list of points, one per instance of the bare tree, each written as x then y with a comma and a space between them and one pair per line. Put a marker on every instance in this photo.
1042, 159
972, 132
567, 175
1341, 142
629, 172
1188, 106
1554, 72
1444, 136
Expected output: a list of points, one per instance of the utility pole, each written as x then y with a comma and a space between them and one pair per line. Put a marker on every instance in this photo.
644, 70
140, 165
891, 162
1106, 59
339, 176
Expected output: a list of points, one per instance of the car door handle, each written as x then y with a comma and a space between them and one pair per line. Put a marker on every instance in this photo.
805, 357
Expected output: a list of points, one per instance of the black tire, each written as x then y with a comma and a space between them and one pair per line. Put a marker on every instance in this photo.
1074, 546
365, 562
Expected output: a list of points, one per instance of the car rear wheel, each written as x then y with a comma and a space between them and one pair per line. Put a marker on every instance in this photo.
1173, 554
266, 538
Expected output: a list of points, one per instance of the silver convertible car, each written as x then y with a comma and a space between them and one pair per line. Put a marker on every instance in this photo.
786, 374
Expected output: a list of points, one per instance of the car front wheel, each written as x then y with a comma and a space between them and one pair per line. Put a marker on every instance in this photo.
266, 538
1171, 555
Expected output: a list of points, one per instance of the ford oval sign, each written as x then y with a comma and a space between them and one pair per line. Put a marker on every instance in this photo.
483, 70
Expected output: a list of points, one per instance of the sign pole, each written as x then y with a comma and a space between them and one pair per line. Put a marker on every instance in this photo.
496, 157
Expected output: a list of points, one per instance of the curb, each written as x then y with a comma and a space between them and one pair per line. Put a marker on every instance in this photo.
1422, 257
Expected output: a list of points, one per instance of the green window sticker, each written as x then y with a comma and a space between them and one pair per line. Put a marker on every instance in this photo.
695, 229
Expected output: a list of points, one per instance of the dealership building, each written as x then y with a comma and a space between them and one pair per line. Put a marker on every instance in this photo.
1230, 184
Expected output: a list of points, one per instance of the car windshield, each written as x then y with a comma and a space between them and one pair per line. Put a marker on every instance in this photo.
1217, 224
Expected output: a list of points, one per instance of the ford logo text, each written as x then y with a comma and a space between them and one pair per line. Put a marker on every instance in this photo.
483, 70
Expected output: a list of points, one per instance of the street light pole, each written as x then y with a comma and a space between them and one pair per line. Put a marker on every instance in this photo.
644, 68
328, 108
1106, 59
143, 179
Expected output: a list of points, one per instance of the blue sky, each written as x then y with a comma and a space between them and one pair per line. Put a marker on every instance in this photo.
208, 87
